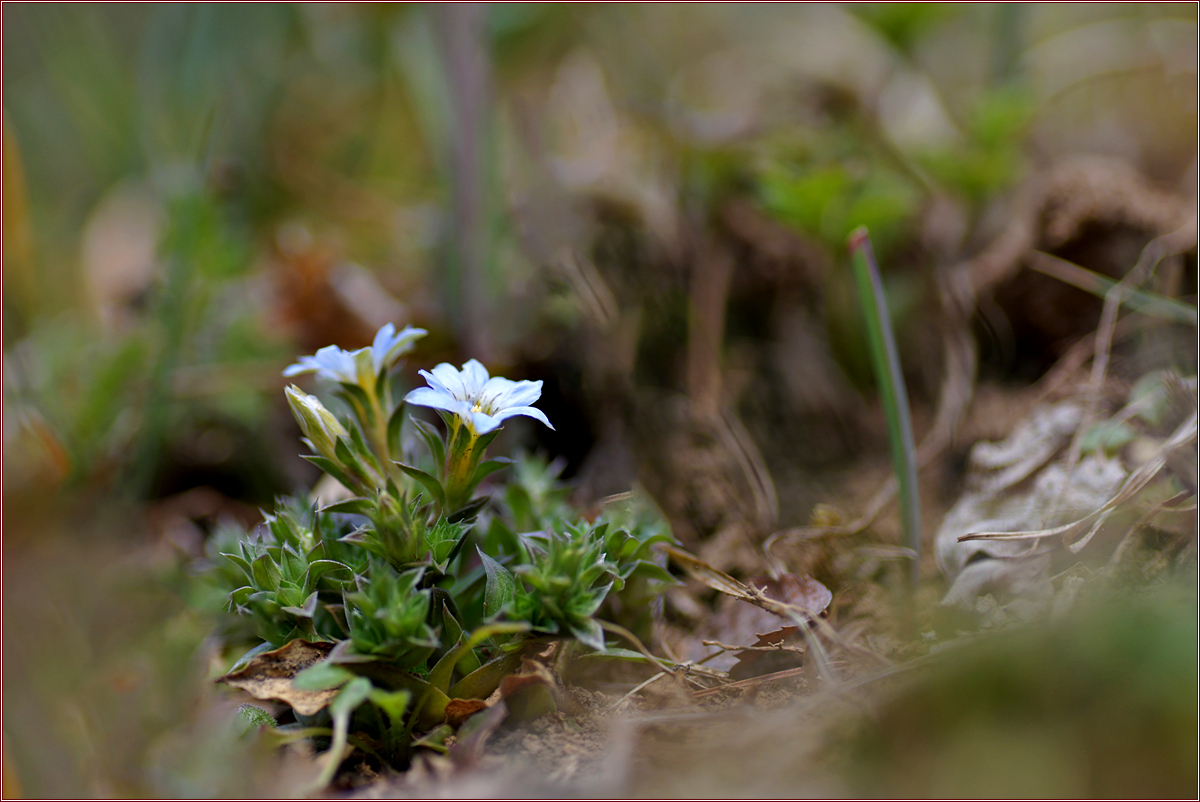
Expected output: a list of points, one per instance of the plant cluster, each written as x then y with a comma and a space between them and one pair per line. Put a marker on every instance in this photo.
408, 617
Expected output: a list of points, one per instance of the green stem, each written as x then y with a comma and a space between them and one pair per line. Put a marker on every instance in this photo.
885, 359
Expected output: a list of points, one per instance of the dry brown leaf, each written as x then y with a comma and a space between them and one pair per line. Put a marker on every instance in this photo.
530, 692
776, 661
459, 710
269, 675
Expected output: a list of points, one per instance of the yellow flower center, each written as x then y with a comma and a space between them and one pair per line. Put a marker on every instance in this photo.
477, 407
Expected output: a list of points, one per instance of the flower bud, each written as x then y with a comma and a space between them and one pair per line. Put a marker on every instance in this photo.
318, 424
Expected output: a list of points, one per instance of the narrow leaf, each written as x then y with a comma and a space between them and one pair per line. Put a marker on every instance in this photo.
433, 439
885, 359
428, 481
354, 506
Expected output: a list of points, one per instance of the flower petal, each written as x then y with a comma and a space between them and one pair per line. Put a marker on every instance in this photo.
330, 363
492, 391
306, 365
428, 397
519, 394
390, 346
482, 422
474, 378
532, 412
383, 338
445, 377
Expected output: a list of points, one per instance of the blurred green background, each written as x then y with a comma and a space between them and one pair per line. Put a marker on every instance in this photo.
194, 194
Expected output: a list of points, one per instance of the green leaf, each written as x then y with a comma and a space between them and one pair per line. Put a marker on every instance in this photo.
433, 440
885, 361
363, 451
332, 468
467, 512
321, 676
307, 610
354, 506
294, 566
250, 655
265, 573
319, 569
590, 634
393, 703
355, 398
650, 570
1107, 437
501, 586
441, 674
353, 694
489, 467
430, 482
240, 562
395, 423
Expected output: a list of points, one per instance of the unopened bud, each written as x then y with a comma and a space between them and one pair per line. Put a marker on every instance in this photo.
318, 424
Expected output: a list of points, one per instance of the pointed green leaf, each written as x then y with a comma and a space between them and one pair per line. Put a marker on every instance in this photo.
240, 562
265, 573
393, 703
307, 610
650, 570
332, 468
395, 423
590, 634
489, 467
441, 674
355, 506
468, 511
432, 438
430, 482
501, 586
355, 398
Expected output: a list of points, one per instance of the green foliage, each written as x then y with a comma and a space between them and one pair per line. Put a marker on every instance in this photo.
388, 617
904, 24
989, 158
416, 619
826, 200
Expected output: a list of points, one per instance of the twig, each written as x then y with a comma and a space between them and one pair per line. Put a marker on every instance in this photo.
777, 647
751, 682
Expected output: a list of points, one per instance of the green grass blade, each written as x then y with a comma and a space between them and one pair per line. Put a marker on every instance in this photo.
885, 359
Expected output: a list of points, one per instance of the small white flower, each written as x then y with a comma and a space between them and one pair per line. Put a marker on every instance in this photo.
361, 366
482, 403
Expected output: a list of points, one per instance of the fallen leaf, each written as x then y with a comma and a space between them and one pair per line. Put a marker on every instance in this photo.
459, 710
774, 661
269, 676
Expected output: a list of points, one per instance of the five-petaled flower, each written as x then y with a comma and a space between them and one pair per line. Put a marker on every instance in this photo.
363, 366
481, 402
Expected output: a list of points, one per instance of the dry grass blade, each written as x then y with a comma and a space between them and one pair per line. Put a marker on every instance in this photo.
1155, 251
1132, 486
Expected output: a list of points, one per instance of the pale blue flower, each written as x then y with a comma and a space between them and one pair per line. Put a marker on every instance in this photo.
482, 403
389, 345
361, 366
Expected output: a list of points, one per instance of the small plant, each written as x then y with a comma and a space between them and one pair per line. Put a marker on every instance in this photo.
372, 614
